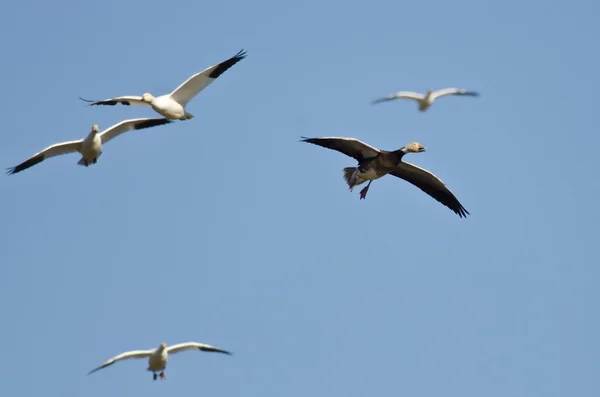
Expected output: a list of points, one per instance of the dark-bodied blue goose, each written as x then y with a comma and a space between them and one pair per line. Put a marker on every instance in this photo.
172, 106
374, 164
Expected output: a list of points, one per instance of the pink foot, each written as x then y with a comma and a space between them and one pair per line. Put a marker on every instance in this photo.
363, 193
162, 375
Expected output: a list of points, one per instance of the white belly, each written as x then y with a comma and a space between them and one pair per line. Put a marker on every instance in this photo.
157, 362
168, 108
425, 104
91, 147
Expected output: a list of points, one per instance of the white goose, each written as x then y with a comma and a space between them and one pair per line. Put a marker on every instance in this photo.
425, 101
158, 358
90, 147
172, 106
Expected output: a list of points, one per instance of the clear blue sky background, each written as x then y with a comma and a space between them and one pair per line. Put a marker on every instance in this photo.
228, 231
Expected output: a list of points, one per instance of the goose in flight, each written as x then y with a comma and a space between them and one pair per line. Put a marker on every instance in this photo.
172, 106
425, 101
90, 147
374, 164
157, 358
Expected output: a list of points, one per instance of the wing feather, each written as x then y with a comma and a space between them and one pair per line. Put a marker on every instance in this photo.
123, 356
430, 184
192, 86
453, 91
195, 346
400, 95
129, 125
349, 146
50, 151
123, 100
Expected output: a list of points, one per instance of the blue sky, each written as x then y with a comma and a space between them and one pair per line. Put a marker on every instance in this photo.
226, 230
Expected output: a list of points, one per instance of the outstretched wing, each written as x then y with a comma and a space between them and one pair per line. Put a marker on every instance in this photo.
50, 151
194, 346
123, 356
400, 95
192, 86
129, 125
123, 100
430, 184
453, 91
349, 146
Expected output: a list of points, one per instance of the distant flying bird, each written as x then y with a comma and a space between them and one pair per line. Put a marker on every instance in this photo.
425, 101
91, 146
157, 358
172, 106
374, 164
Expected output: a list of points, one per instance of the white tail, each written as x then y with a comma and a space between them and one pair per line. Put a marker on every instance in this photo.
89, 162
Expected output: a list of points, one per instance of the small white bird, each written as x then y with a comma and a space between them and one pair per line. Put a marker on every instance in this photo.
425, 101
172, 106
158, 358
91, 146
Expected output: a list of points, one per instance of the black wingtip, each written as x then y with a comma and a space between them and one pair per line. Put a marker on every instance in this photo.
26, 164
107, 102
240, 55
89, 101
462, 212
309, 140
223, 66
151, 123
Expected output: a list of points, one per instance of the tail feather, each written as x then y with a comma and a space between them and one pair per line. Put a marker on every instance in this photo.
187, 116
90, 162
348, 173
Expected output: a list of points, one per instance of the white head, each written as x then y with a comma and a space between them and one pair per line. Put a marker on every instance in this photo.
95, 128
414, 147
163, 346
147, 97
430, 91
